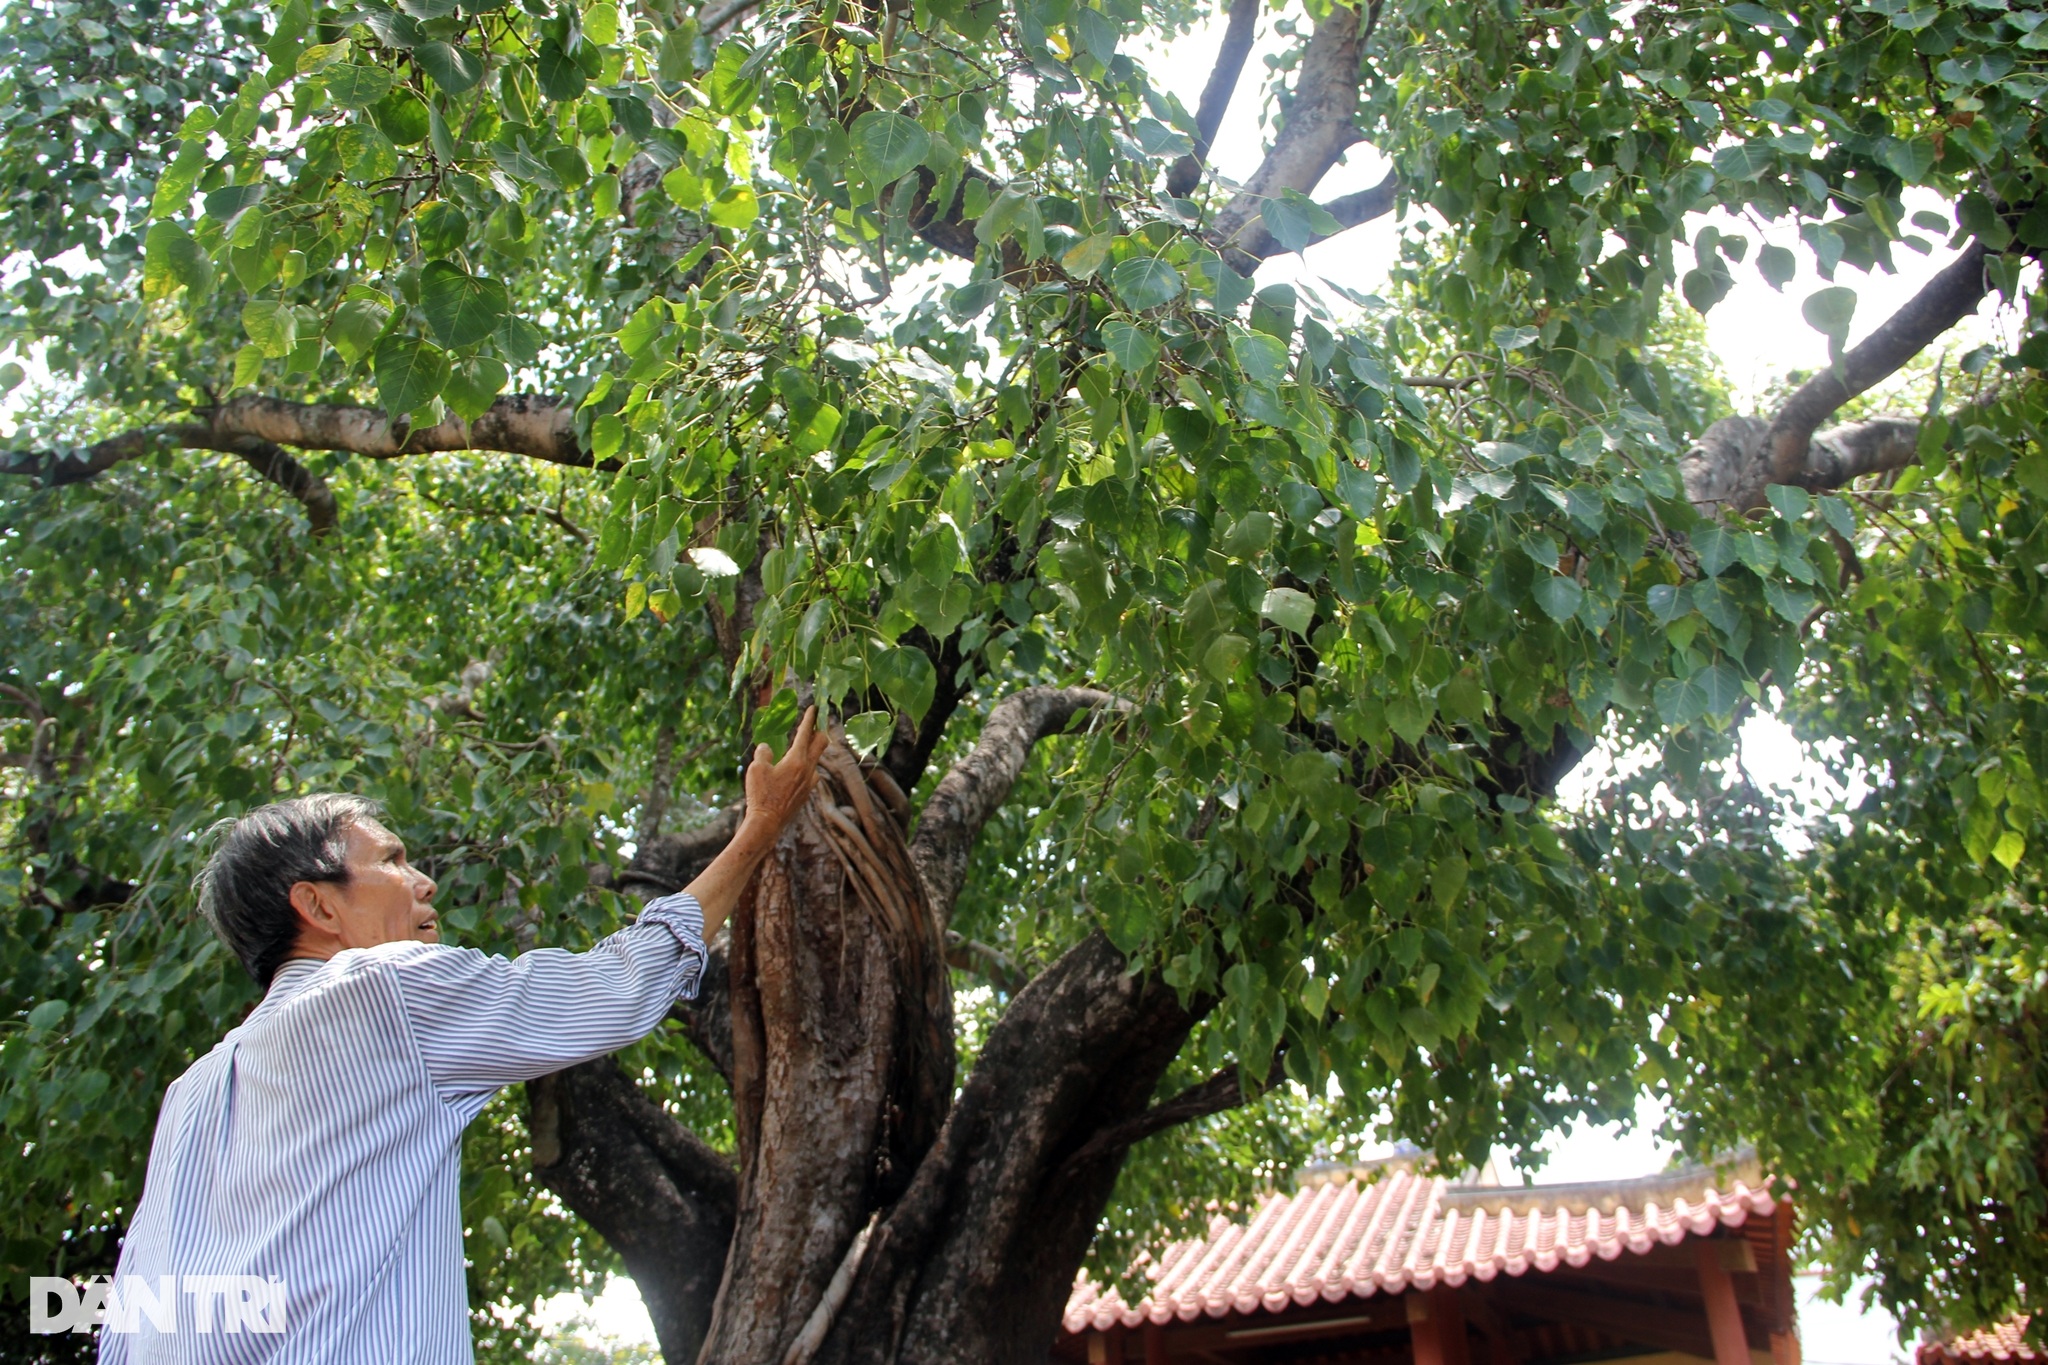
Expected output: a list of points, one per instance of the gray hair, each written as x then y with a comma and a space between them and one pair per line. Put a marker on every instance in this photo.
245, 889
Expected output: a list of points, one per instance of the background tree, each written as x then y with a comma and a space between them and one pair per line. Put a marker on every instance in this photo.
1207, 657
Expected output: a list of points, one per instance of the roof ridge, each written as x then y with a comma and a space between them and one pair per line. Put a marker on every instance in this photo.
1351, 1237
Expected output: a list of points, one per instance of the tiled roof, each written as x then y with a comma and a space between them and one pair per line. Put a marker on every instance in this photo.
2000, 1342
1355, 1236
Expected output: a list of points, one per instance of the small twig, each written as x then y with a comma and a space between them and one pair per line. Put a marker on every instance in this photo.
728, 14
992, 964
26, 698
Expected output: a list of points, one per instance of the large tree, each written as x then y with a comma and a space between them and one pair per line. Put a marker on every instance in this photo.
1207, 656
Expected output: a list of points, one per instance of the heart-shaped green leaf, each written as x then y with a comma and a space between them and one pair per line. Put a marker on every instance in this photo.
454, 68
1289, 607
355, 327
461, 308
1128, 345
1558, 596
410, 373
1145, 282
272, 327
1829, 312
888, 145
357, 87
473, 385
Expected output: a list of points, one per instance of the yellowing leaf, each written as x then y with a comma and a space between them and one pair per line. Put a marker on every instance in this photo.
2010, 848
735, 208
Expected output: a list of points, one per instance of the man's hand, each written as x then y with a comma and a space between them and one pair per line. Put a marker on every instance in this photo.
777, 791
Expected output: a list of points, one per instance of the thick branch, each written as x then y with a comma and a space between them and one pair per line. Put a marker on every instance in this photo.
1737, 458
1350, 210
257, 428
981, 1250
1726, 467
1321, 125
1874, 446
1360, 206
975, 789
663, 1198
949, 229
1945, 300
309, 488
59, 467
1223, 78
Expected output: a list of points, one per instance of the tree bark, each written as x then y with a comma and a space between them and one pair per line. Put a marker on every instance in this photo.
1238, 36
834, 1026
1737, 459
651, 1188
842, 1056
976, 1260
976, 788
1321, 125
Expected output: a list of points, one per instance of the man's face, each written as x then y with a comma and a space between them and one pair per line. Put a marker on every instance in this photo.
385, 899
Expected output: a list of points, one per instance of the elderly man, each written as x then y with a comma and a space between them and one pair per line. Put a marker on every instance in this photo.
306, 1172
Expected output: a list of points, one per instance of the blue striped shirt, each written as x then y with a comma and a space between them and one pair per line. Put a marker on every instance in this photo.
320, 1142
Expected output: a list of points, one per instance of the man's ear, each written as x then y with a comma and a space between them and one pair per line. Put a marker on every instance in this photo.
315, 909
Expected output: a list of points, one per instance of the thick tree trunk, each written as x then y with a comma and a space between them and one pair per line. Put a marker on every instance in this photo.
977, 1259
842, 1056
872, 1217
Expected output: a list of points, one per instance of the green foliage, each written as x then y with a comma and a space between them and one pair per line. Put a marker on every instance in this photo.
181, 687
1905, 1074
1356, 617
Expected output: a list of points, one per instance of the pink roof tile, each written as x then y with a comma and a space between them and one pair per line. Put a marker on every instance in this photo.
2004, 1341
1354, 1236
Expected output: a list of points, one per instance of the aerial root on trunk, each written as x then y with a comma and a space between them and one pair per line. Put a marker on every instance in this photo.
820, 1321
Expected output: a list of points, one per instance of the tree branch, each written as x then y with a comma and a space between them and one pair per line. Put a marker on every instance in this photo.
978, 784
1944, 301
1350, 210
1321, 126
727, 13
58, 467
1224, 1090
1737, 458
663, 1198
991, 964
948, 229
997, 1218
1361, 206
257, 429
1222, 84
309, 488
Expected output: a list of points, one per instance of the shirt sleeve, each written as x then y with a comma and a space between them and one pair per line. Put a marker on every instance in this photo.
483, 1022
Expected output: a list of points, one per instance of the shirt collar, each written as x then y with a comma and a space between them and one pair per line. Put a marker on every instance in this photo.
292, 975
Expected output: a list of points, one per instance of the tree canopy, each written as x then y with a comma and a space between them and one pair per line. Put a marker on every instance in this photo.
513, 411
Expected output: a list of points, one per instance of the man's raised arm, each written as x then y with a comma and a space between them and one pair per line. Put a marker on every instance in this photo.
483, 1022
